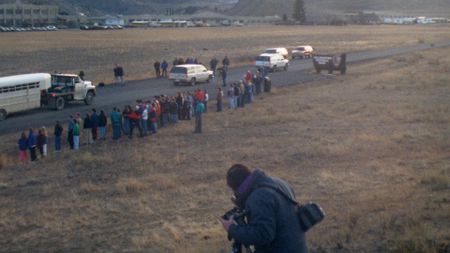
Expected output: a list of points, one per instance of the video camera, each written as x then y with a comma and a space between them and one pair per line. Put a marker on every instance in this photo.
238, 216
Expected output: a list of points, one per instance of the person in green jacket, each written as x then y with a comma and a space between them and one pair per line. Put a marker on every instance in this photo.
76, 135
199, 110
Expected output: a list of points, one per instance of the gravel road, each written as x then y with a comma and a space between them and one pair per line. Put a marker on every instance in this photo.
110, 96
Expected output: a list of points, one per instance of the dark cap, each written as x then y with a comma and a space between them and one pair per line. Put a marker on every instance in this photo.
236, 175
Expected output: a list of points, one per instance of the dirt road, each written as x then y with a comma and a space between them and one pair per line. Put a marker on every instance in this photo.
108, 97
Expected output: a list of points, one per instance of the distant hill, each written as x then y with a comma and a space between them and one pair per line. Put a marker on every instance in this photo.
250, 7
93, 7
317, 7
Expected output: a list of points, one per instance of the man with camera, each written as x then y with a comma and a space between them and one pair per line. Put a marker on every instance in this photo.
272, 225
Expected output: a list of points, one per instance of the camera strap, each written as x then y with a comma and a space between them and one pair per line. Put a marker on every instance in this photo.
280, 192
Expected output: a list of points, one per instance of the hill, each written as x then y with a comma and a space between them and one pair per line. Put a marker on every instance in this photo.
128, 6
315, 7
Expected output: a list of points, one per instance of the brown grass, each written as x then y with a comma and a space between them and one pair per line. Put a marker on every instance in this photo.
96, 52
371, 148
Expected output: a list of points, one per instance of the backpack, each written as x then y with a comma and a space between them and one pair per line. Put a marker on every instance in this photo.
308, 214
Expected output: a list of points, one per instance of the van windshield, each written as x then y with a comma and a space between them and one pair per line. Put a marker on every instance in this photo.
178, 70
300, 48
262, 58
271, 51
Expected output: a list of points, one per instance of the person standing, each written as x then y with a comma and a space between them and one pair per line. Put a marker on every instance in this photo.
32, 142
87, 128
219, 99
58, 133
144, 119
213, 65
205, 100
273, 225
118, 74
94, 124
102, 122
230, 95
76, 135
153, 117
199, 110
70, 126
164, 67
134, 117
157, 66
81, 75
173, 110
226, 63
237, 95
116, 123
224, 77
42, 141
23, 146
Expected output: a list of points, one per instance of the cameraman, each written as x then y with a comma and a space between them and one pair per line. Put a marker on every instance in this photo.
273, 226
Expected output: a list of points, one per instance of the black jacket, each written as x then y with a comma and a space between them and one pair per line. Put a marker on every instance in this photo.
273, 225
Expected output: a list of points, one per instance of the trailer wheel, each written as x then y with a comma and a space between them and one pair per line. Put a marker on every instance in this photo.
89, 98
2, 114
60, 103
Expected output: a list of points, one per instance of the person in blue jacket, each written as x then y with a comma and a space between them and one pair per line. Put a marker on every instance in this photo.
32, 143
23, 146
273, 226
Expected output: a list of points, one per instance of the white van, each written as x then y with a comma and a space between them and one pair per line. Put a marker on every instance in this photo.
302, 52
190, 73
271, 62
22, 92
278, 50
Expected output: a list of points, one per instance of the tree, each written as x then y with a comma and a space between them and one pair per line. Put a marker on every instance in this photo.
299, 11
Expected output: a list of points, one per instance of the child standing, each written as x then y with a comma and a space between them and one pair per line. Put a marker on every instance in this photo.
23, 146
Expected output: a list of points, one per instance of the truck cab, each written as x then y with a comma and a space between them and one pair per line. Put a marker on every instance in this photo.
68, 87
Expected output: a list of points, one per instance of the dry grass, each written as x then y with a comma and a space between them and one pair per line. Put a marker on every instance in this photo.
372, 148
96, 52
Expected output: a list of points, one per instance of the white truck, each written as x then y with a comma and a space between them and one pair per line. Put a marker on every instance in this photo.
271, 62
30, 91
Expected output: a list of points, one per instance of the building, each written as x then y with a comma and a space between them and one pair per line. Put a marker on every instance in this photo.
22, 15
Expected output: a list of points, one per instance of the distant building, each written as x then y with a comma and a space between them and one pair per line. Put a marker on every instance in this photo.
21, 15
107, 20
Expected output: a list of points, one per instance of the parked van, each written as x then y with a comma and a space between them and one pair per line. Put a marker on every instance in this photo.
190, 73
302, 52
278, 50
22, 92
271, 62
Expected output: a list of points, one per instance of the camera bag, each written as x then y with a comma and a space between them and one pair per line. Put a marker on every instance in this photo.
308, 214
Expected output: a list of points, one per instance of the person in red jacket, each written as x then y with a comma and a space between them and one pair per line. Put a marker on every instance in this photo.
134, 118
200, 95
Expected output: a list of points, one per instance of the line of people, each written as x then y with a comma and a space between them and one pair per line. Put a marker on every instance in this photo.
145, 116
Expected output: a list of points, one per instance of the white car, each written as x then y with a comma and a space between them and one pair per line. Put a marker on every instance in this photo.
271, 62
278, 50
190, 73
302, 52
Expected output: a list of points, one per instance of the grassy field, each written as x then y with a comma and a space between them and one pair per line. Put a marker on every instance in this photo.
372, 147
97, 52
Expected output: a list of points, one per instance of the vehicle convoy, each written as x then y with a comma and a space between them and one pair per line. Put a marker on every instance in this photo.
330, 63
278, 50
271, 62
30, 91
302, 52
190, 74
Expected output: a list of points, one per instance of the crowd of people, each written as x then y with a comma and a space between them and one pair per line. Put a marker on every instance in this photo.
145, 117
162, 68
